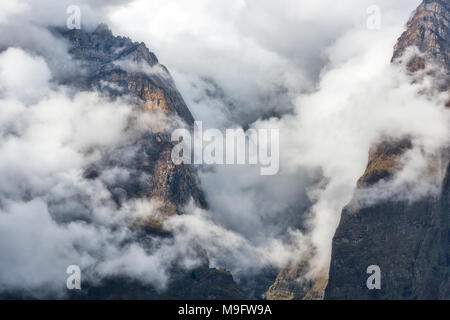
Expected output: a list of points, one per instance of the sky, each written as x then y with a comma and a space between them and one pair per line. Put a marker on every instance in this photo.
318, 71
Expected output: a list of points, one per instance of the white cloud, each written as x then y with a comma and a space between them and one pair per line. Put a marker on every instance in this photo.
23, 76
314, 63
261, 53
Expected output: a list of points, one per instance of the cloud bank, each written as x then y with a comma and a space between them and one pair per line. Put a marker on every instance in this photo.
311, 69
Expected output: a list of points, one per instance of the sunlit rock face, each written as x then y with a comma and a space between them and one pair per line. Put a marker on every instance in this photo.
116, 67
408, 240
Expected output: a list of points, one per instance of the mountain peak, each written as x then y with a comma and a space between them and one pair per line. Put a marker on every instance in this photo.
428, 31
103, 29
124, 64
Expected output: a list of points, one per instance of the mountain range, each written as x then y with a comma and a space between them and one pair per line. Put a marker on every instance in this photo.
407, 238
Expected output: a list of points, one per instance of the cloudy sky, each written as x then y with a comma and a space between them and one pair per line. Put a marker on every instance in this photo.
317, 70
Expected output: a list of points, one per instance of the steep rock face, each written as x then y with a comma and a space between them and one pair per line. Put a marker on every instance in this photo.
429, 31
128, 67
409, 241
291, 284
117, 67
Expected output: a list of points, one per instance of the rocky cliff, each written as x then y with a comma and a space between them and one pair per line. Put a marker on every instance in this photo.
117, 67
408, 240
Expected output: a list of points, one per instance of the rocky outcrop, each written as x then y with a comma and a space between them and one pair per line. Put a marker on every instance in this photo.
292, 284
289, 285
429, 31
122, 67
118, 67
408, 240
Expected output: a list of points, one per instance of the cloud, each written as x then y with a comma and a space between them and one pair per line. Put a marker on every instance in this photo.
232, 250
133, 67
315, 66
51, 216
27, 81
261, 54
311, 69
361, 99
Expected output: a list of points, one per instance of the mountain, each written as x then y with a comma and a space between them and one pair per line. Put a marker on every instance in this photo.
291, 284
428, 31
408, 240
117, 67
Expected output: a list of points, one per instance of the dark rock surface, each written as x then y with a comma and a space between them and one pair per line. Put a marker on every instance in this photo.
409, 241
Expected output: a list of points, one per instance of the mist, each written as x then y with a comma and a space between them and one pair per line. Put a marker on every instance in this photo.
313, 70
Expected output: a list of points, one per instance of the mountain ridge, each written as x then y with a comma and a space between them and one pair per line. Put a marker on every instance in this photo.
118, 67
408, 241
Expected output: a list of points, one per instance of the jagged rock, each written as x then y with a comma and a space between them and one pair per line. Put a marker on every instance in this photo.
429, 31
384, 161
115, 67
